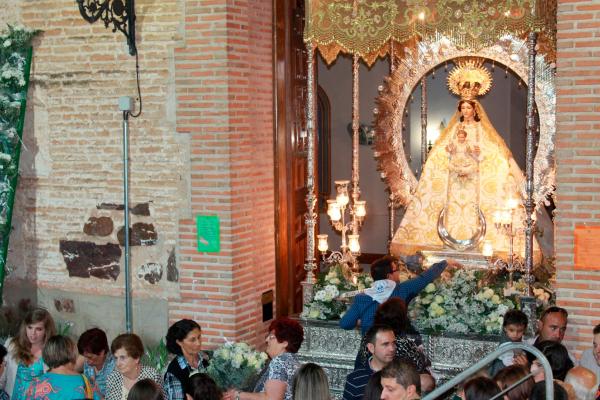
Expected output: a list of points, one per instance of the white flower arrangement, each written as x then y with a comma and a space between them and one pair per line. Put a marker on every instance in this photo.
326, 304
460, 304
235, 365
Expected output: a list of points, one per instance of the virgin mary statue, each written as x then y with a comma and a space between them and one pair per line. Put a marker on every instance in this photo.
469, 184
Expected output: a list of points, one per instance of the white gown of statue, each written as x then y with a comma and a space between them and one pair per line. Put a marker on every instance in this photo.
456, 178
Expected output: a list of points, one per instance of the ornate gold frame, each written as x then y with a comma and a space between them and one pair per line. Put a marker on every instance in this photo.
394, 94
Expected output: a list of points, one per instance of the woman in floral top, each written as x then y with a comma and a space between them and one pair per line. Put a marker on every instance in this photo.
61, 382
275, 383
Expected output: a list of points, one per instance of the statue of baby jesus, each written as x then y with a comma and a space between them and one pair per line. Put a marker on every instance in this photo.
463, 159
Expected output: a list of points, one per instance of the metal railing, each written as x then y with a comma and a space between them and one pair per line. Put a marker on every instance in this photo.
503, 348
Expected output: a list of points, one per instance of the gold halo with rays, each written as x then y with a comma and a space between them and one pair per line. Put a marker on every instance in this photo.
469, 79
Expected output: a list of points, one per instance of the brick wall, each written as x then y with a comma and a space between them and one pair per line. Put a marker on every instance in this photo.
224, 94
203, 145
578, 160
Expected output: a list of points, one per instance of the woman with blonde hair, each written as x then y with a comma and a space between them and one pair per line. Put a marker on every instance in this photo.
24, 361
310, 383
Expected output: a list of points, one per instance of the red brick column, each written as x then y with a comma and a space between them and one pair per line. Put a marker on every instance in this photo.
578, 160
223, 78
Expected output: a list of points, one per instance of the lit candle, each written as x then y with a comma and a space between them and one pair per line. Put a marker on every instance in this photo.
323, 246
342, 199
331, 204
488, 249
336, 213
359, 208
497, 217
512, 203
342, 193
353, 244
506, 217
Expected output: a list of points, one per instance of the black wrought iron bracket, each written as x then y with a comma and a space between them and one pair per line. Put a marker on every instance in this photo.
118, 13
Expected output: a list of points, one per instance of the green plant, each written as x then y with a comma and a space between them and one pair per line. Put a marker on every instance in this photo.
157, 356
15, 62
64, 328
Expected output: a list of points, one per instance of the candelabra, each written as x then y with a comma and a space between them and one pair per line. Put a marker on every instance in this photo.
503, 221
336, 210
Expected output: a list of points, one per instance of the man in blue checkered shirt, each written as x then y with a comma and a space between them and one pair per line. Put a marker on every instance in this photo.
386, 276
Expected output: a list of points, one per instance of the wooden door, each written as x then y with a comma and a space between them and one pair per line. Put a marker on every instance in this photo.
291, 155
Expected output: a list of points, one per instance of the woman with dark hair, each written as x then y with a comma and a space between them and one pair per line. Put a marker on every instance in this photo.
146, 389
283, 342
558, 357
61, 382
202, 387
98, 362
184, 340
471, 106
310, 383
393, 313
480, 388
25, 360
508, 376
128, 350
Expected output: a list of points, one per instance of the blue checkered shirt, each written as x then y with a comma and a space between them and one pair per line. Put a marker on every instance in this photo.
99, 378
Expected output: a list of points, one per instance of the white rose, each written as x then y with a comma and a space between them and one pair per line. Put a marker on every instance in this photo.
496, 299
225, 353
430, 288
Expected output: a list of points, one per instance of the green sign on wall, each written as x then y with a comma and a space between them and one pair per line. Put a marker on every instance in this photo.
208, 231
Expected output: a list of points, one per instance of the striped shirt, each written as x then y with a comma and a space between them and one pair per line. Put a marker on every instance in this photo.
356, 381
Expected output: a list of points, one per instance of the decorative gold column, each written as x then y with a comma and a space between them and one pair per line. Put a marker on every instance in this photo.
311, 197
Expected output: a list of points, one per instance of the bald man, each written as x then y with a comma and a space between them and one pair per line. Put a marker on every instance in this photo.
583, 381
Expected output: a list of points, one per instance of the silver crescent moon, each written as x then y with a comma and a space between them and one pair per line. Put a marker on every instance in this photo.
461, 245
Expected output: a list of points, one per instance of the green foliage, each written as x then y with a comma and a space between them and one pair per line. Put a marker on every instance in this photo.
15, 53
64, 328
157, 356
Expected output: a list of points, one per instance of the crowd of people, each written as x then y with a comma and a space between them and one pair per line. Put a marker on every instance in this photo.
39, 364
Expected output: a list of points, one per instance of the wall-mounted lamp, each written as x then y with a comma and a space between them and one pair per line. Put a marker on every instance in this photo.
119, 13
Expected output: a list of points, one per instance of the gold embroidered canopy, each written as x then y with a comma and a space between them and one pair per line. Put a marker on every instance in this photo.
367, 28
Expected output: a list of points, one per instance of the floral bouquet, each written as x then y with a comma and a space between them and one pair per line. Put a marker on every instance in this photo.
326, 304
235, 365
464, 303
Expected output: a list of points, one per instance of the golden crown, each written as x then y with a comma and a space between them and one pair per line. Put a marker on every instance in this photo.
469, 78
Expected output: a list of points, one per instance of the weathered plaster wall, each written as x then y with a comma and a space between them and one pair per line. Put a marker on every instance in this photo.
68, 219
10, 13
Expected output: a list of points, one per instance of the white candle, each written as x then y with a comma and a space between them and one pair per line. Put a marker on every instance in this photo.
488, 249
